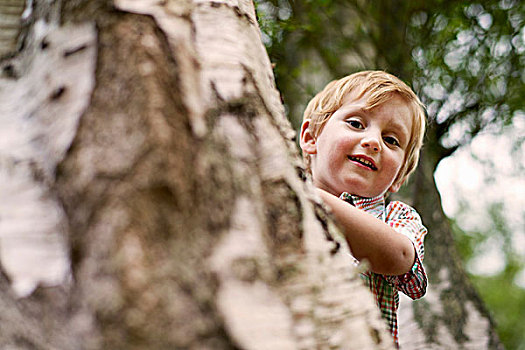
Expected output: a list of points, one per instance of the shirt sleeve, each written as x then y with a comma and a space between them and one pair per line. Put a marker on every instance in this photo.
405, 220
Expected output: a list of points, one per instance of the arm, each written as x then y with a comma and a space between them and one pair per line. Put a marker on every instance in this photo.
406, 220
388, 252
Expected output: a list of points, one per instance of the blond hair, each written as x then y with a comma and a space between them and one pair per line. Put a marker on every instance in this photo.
380, 87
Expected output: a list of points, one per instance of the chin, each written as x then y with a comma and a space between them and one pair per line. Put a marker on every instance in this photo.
366, 194
355, 190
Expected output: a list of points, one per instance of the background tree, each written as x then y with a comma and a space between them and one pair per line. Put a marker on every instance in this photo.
465, 60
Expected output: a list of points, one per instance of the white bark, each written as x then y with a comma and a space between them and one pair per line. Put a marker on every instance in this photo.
39, 113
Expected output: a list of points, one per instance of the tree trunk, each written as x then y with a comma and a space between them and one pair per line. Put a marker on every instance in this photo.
452, 315
152, 194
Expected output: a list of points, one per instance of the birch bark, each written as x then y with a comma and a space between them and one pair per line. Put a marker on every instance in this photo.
151, 176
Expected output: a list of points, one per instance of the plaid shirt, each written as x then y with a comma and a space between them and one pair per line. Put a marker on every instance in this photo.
405, 220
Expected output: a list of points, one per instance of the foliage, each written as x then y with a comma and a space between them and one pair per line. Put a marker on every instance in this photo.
470, 60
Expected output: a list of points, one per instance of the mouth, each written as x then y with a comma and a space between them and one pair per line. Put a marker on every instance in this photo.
367, 162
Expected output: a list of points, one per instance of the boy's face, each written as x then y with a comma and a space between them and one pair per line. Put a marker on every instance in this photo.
360, 151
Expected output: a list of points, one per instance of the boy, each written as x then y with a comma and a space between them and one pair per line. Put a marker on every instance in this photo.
361, 138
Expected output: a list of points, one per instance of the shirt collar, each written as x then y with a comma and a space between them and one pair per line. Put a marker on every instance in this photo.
372, 205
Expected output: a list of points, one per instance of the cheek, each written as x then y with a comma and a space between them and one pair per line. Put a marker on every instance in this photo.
343, 145
332, 144
393, 159
338, 152
397, 163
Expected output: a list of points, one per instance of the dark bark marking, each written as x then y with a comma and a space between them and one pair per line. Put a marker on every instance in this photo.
75, 50
9, 71
376, 336
236, 9
301, 172
246, 108
57, 93
44, 44
283, 213
246, 269
323, 217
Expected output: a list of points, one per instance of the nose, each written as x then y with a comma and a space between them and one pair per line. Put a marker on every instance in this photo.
371, 141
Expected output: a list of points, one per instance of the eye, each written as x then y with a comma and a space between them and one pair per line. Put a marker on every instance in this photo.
391, 140
354, 123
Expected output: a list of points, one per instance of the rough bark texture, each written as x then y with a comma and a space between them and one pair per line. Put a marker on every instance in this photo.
150, 142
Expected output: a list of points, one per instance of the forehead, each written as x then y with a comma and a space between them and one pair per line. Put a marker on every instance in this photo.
395, 103
394, 109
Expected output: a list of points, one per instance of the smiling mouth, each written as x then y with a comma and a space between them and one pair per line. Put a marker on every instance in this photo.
363, 161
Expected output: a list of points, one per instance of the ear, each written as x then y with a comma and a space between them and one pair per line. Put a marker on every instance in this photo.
307, 142
397, 185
